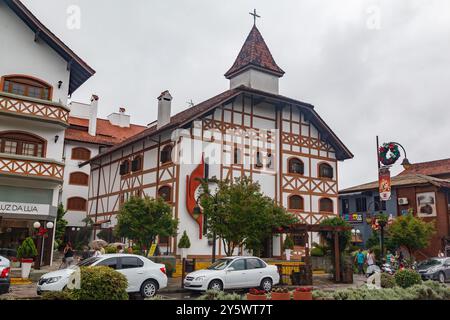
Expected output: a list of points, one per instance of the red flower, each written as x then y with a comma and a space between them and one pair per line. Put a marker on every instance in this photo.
257, 292
304, 289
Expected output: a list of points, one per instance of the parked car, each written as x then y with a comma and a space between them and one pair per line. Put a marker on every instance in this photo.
5, 278
435, 269
8, 253
234, 273
143, 275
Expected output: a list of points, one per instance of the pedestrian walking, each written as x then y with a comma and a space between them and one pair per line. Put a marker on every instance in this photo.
68, 255
360, 259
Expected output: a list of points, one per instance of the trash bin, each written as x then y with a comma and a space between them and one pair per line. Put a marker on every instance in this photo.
189, 266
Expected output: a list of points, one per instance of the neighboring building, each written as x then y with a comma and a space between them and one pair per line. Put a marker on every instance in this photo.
437, 168
85, 138
297, 166
37, 74
428, 197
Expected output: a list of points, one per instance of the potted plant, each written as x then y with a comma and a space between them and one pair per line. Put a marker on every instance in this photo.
256, 294
280, 294
184, 244
288, 246
303, 293
26, 252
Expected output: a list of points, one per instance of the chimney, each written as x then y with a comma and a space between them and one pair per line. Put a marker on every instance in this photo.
164, 106
93, 116
120, 119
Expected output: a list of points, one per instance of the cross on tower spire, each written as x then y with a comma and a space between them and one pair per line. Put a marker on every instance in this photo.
255, 15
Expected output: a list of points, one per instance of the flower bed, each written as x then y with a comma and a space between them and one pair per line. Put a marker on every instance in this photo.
280, 294
303, 293
256, 294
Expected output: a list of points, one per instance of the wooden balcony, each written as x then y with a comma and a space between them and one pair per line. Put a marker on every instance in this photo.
31, 167
37, 109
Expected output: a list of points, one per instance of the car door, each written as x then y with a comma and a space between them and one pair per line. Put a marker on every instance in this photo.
132, 268
236, 274
255, 272
447, 269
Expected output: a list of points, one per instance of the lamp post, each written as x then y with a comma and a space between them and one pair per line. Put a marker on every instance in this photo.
42, 232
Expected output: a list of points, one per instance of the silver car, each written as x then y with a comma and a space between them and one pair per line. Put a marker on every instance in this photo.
435, 269
233, 273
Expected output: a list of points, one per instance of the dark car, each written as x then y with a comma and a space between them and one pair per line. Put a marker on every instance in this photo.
5, 279
435, 269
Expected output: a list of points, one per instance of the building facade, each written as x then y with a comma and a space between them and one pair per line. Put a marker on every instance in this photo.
37, 74
426, 196
248, 130
86, 137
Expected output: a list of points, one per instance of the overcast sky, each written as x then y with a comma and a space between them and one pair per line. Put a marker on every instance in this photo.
369, 67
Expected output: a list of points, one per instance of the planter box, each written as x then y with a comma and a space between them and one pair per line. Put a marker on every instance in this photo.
298, 295
281, 296
256, 297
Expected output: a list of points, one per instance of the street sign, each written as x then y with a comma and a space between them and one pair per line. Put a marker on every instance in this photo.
152, 250
384, 180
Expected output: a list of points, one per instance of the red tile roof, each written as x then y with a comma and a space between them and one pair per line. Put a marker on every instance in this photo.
254, 53
107, 133
430, 168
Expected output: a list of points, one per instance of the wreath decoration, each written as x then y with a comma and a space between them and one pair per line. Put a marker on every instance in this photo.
395, 154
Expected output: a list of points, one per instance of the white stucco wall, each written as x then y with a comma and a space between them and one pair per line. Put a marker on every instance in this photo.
22, 55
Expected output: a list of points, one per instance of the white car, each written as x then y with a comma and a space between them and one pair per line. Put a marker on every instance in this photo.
234, 273
5, 278
144, 276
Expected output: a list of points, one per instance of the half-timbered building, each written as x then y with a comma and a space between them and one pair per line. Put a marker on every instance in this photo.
249, 129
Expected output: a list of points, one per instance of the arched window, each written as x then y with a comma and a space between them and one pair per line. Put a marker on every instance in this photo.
165, 193
76, 204
325, 171
22, 143
296, 166
27, 86
136, 164
296, 202
80, 153
79, 178
166, 154
326, 205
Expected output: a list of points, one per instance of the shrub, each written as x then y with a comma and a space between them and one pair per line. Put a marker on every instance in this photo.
387, 281
27, 249
317, 252
407, 278
429, 290
288, 243
170, 268
101, 283
57, 295
110, 249
184, 241
219, 295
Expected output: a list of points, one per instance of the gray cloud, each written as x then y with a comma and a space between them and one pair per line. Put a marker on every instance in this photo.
391, 82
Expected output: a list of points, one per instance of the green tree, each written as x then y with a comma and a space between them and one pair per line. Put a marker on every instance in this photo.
411, 232
240, 215
61, 225
184, 242
143, 219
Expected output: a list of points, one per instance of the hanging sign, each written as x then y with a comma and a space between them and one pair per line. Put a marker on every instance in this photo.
353, 218
384, 180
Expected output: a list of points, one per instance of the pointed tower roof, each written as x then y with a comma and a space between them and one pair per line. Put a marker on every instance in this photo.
256, 54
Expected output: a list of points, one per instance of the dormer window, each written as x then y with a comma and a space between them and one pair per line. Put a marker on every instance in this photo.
166, 154
27, 86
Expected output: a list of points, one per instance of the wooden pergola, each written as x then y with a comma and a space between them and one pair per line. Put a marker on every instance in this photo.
303, 229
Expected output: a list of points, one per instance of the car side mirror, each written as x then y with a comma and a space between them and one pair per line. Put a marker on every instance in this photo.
230, 269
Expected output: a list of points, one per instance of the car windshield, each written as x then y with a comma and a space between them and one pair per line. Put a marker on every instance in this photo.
87, 262
220, 264
429, 263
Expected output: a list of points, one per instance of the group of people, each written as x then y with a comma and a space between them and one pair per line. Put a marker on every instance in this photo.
68, 258
361, 259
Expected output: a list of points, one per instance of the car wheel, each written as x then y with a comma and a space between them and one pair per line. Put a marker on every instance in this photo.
215, 285
441, 277
266, 284
149, 288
